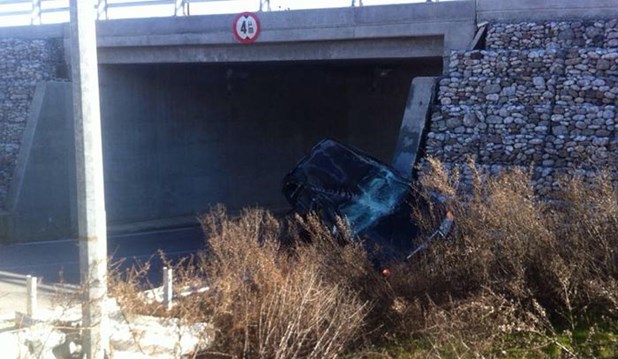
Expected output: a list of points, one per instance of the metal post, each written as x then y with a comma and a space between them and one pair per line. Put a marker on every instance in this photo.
31, 287
35, 17
90, 192
102, 10
181, 8
264, 2
168, 292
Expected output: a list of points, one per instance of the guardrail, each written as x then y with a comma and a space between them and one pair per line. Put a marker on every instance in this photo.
37, 8
17, 12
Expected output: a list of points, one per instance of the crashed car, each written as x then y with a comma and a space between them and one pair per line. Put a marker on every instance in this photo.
338, 181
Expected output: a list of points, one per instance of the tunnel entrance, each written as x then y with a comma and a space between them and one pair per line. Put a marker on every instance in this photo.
180, 138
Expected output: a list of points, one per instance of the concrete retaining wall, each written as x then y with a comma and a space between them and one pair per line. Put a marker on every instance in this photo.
24, 62
41, 202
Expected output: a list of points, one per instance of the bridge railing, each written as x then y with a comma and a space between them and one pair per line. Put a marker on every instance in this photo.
19, 10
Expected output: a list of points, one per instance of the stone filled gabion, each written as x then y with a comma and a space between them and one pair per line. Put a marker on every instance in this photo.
544, 96
23, 64
554, 34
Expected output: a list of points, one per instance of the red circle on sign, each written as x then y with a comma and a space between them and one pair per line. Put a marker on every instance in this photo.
248, 18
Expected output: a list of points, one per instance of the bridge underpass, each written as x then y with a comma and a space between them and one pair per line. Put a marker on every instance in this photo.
179, 138
192, 118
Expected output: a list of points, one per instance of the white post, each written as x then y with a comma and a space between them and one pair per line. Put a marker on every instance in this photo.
168, 291
180, 8
31, 287
102, 10
264, 2
90, 192
35, 17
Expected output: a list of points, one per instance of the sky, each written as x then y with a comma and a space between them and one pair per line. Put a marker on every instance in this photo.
198, 8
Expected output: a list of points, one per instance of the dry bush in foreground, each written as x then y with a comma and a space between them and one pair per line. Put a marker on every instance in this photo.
515, 263
514, 267
275, 303
266, 301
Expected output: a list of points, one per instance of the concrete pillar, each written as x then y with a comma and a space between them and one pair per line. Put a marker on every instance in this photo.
413, 125
90, 192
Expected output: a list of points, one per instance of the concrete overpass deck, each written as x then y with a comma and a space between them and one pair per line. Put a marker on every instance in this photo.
389, 31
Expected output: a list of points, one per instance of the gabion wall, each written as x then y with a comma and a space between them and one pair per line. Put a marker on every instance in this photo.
543, 96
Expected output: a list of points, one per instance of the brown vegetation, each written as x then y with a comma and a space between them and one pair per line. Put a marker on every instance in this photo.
516, 273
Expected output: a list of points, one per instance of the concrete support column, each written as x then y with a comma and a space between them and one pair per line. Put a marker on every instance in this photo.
413, 125
90, 191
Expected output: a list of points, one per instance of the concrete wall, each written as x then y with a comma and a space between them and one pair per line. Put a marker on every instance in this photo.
178, 139
40, 204
534, 10
24, 61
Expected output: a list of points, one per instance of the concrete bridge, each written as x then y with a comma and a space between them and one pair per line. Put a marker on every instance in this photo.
192, 118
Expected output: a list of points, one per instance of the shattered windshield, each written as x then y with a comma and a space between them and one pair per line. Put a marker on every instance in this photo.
378, 195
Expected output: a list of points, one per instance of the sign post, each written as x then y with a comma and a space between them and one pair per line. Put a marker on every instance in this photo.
90, 193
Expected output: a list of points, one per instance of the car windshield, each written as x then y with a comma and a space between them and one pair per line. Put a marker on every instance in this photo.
378, 195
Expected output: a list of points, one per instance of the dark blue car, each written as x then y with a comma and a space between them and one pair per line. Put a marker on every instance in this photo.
339, 181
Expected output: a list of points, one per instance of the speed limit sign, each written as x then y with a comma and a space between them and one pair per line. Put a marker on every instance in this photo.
246, 27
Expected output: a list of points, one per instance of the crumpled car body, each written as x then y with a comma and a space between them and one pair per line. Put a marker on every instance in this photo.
339, 181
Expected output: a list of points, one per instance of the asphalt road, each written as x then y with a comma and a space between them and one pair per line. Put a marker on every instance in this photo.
56, 261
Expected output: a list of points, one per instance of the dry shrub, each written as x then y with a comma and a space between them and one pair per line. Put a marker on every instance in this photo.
271, 302
515, 263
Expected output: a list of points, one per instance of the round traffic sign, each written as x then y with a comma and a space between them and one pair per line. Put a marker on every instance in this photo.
246, 27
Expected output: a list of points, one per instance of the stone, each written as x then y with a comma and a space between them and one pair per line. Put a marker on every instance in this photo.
603, 64
566, 34
538, 81
453, 123
559, 130
476, 55
492, 119
600, 141
580, 124
492, 97
492, 89
548, 163
469, 120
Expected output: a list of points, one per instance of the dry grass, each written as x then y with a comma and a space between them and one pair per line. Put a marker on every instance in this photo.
272, 302
267, 301
516, 273
515, 264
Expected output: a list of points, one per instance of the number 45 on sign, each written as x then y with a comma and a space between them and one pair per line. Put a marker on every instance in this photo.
246, 27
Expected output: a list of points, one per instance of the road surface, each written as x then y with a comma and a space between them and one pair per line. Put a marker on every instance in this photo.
58, 261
